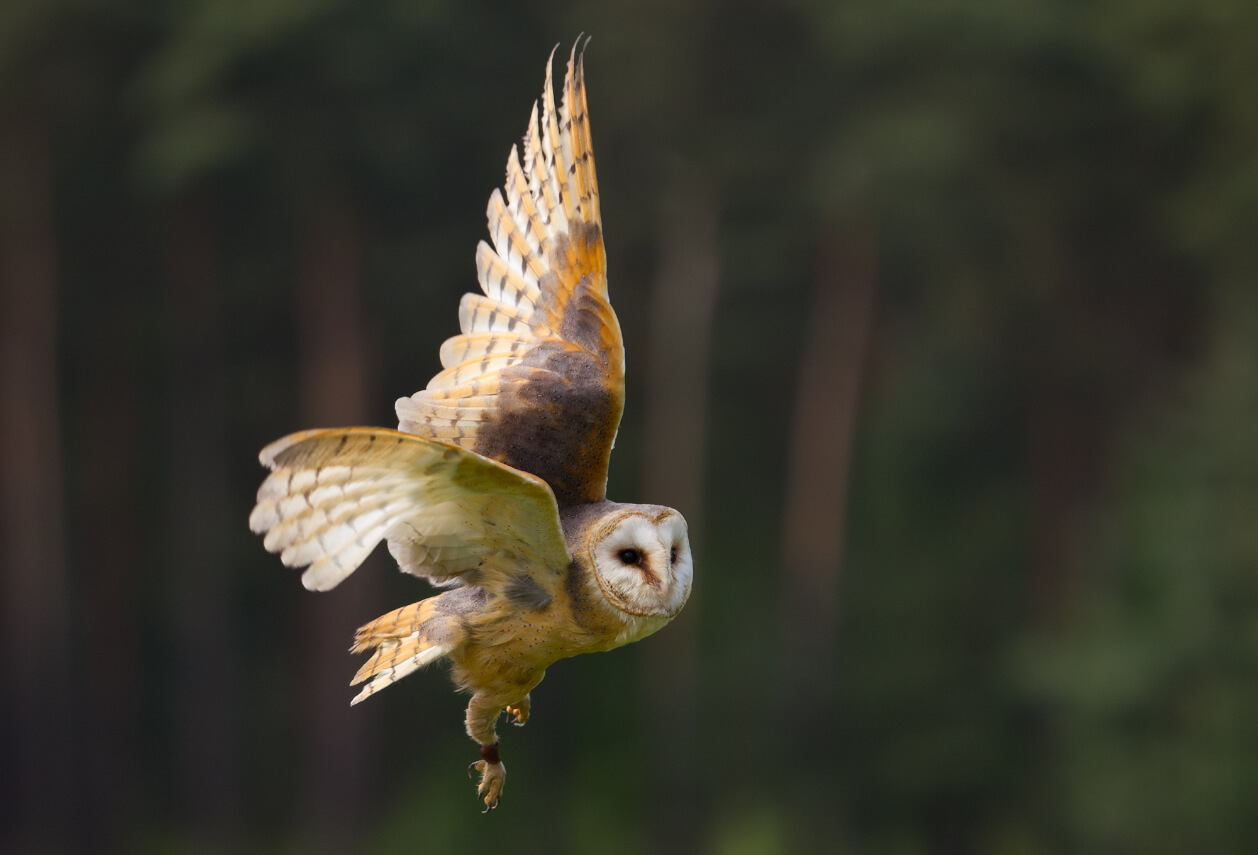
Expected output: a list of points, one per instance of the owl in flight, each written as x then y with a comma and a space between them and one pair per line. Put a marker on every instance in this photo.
494, 486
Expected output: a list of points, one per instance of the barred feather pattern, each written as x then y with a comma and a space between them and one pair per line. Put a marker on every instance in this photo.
333, 495
405, 640
545, 246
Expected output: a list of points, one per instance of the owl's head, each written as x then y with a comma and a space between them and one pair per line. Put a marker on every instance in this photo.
641, 558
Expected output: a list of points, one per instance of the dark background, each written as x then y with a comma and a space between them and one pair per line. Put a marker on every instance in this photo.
942, 330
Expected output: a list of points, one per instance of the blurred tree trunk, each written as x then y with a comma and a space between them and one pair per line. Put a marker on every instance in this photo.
333, 381
207, 690
823, 429
1063, 459
38, 786
1067, 420
680, 324
107, 497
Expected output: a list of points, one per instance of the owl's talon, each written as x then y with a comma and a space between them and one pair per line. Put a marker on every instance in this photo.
493, 776
519, 712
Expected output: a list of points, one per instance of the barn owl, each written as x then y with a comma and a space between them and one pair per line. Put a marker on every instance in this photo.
494, 485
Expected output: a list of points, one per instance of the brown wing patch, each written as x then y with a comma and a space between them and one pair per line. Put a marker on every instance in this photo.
555, 420
536, 380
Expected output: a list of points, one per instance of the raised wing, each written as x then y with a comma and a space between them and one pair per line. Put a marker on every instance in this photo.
448, 514
537, 379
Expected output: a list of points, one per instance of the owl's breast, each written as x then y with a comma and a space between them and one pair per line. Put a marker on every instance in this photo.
519, 633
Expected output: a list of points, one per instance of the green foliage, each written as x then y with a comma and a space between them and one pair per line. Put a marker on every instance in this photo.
1150, 694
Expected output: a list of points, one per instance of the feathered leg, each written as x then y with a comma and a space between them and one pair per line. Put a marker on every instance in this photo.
482, 713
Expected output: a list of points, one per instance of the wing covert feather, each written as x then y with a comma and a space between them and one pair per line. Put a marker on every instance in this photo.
541, 352
333, 495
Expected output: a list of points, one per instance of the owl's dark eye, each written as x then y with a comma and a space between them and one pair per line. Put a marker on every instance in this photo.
630, 556
672, 556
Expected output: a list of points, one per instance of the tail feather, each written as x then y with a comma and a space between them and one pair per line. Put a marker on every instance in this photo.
405, 640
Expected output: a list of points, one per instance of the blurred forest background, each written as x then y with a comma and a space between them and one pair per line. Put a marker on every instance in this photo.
942, 327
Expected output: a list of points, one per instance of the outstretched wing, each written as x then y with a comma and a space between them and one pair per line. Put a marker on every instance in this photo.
449, 514
537, 379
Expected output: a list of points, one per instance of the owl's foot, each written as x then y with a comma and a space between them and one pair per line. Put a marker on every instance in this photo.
519, 712
493, 774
